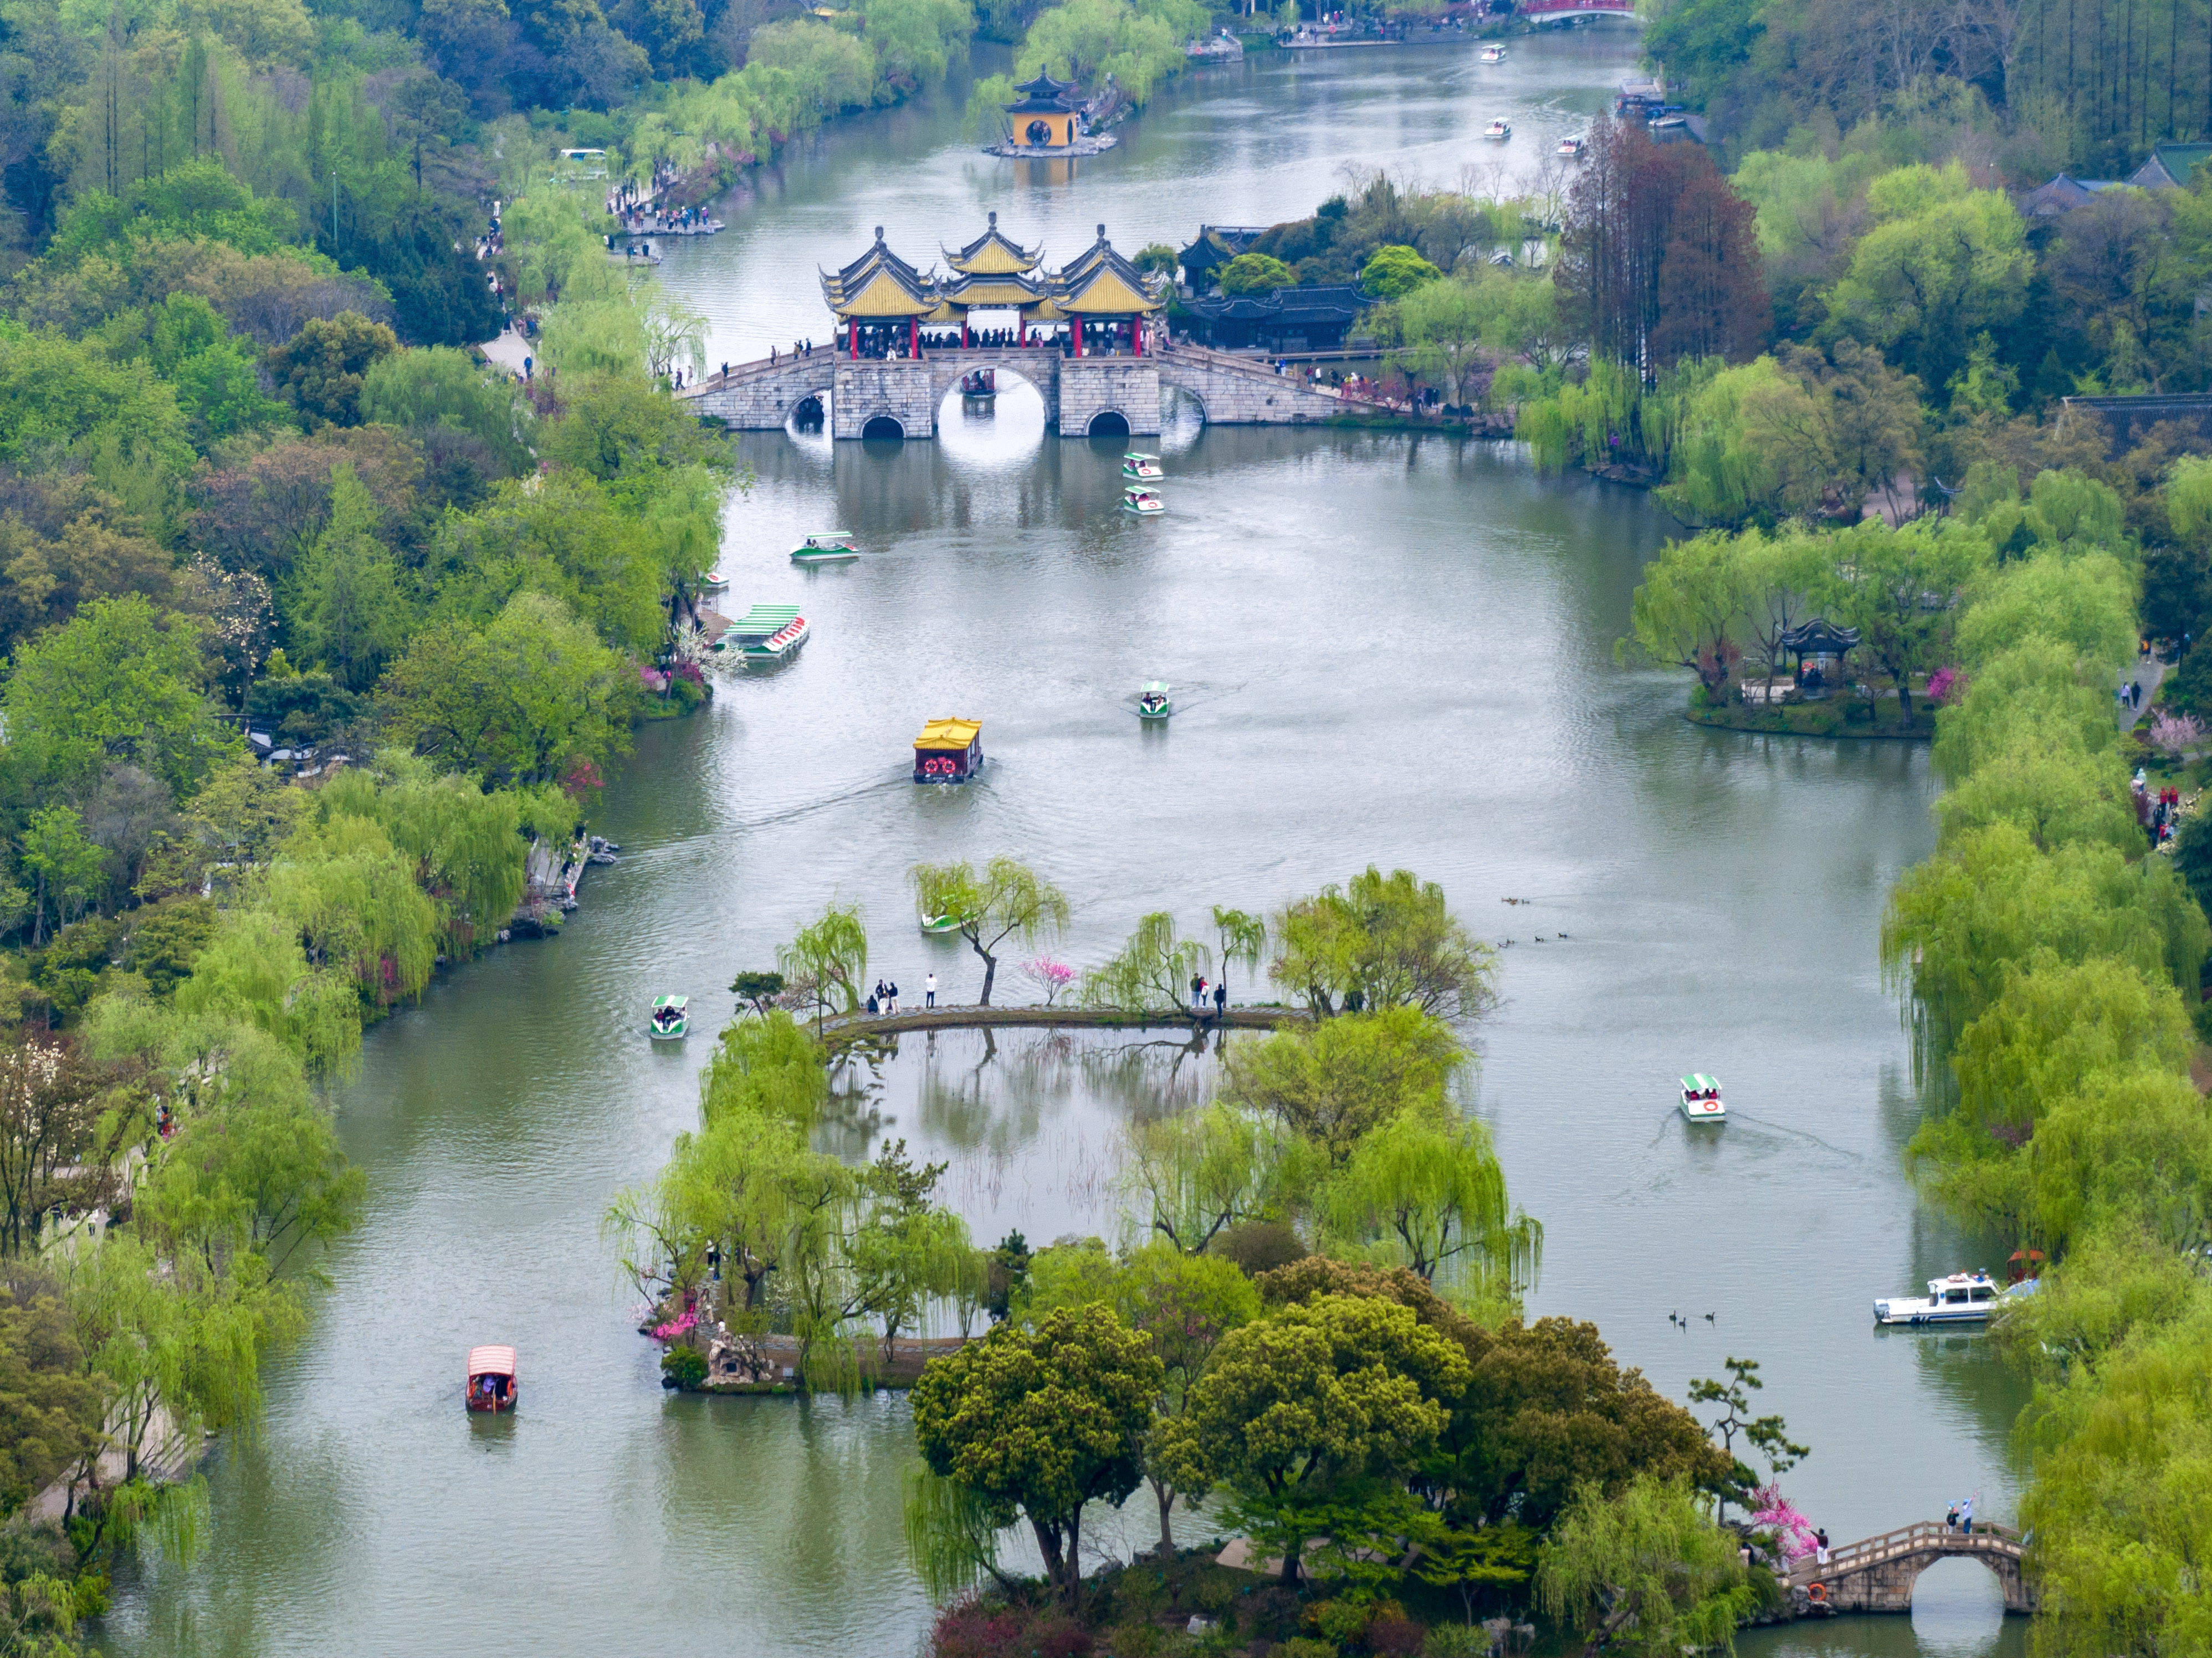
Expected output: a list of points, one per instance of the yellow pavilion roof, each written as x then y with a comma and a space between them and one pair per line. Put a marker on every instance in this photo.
880, 283
1099, 281
949, 733
992, 254
1011, 288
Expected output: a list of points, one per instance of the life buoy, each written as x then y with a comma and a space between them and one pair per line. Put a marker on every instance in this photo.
1818, 1594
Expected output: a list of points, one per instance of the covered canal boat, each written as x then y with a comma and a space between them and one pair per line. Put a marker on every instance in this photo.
766, 633
492, 1382
948, 751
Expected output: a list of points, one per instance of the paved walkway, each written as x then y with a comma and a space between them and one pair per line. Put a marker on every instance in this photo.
2148, 672
508, 350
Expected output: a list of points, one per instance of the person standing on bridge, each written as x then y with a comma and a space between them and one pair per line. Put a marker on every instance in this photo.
929, 990
1967, 1517
1951, 1518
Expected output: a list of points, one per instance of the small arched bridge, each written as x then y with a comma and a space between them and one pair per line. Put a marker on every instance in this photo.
899, 397
1877, 1574
1551, 11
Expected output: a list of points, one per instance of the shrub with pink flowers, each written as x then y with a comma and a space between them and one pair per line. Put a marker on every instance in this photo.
2176, 732
1050, 976
677, 1328
1945, 683
1793, 1531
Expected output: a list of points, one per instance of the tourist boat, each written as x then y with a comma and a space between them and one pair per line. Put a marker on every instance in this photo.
1493, 53
1154, 702
1500, 129
948, 751
713, 582
1145, 468
672, 1018
492, 1383
939, 927
835, 548
1571, 149
1701, 1098
1143, 502
1961, 1298
765, 634
980, 383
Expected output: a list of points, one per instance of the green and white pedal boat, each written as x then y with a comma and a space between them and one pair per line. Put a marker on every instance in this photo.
836, 547
1154, 702
939, 927
672, 1018
1701, 1098
1143, 502
1145, 469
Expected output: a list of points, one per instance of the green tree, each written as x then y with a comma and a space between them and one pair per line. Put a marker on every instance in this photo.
1198, 1173
1646, 1571
50, 1407
347, 610
1255, 273
1440, 327
1394, 270
68, 867
1152, 973
320, 369
1942, 263
1383, 942
1427, 1191
55, 1149
440, 389
1311, 1406
1901, 592
1338, 1082
1182, 1304
1766, 1435
1693, 598
1008, 899
1038, 1422
118, 682
1238, 936
830, 956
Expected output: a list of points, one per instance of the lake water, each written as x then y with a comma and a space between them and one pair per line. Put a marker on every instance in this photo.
1386, 648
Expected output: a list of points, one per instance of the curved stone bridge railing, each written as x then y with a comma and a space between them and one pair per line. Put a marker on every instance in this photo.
1877, 1573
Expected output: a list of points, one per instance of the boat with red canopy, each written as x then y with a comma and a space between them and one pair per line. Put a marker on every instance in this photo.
492, 1382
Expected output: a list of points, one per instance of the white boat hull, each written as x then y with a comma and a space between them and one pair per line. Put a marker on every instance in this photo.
1705, 1110
1919, 1311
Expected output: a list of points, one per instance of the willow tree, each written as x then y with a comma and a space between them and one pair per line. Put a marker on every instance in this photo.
1241, 937
1647, 1569
831, 956
1383, 941
1007, 900
1196, 1174
1152, 971
1426, 1191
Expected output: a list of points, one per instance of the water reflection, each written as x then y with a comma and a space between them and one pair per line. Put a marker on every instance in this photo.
1030, 1122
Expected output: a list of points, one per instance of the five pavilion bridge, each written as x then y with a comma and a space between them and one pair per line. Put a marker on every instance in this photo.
1085, 335
1878, 1574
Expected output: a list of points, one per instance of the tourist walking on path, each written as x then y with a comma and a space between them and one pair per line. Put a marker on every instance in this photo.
929, 990
1220, 1000
1197, 990
895, 995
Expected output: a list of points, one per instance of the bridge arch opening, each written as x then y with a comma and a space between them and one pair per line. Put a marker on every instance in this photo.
1005, 429
882, 429
1958, 1608
1108, 424
812, 413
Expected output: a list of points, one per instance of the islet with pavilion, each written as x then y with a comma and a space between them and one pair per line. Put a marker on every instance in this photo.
1046, 119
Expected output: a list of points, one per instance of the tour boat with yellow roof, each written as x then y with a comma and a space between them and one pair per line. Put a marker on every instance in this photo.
948, 751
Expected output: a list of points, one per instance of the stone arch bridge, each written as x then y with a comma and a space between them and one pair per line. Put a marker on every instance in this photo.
1878, 1574
1081, 394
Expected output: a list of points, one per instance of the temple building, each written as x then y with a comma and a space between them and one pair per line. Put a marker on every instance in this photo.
995, 290
1048, 114
1282, 320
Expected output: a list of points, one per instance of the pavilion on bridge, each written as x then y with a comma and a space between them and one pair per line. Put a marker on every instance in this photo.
998, 294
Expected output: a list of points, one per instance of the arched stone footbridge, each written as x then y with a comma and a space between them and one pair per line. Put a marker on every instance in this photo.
1081, 394
1878, 1574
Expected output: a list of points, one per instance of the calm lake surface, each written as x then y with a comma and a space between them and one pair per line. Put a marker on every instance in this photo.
1385, 649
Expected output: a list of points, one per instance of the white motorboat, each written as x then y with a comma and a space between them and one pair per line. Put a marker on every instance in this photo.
1961, 1298
1701, 1098
1572, 148
1500, 130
